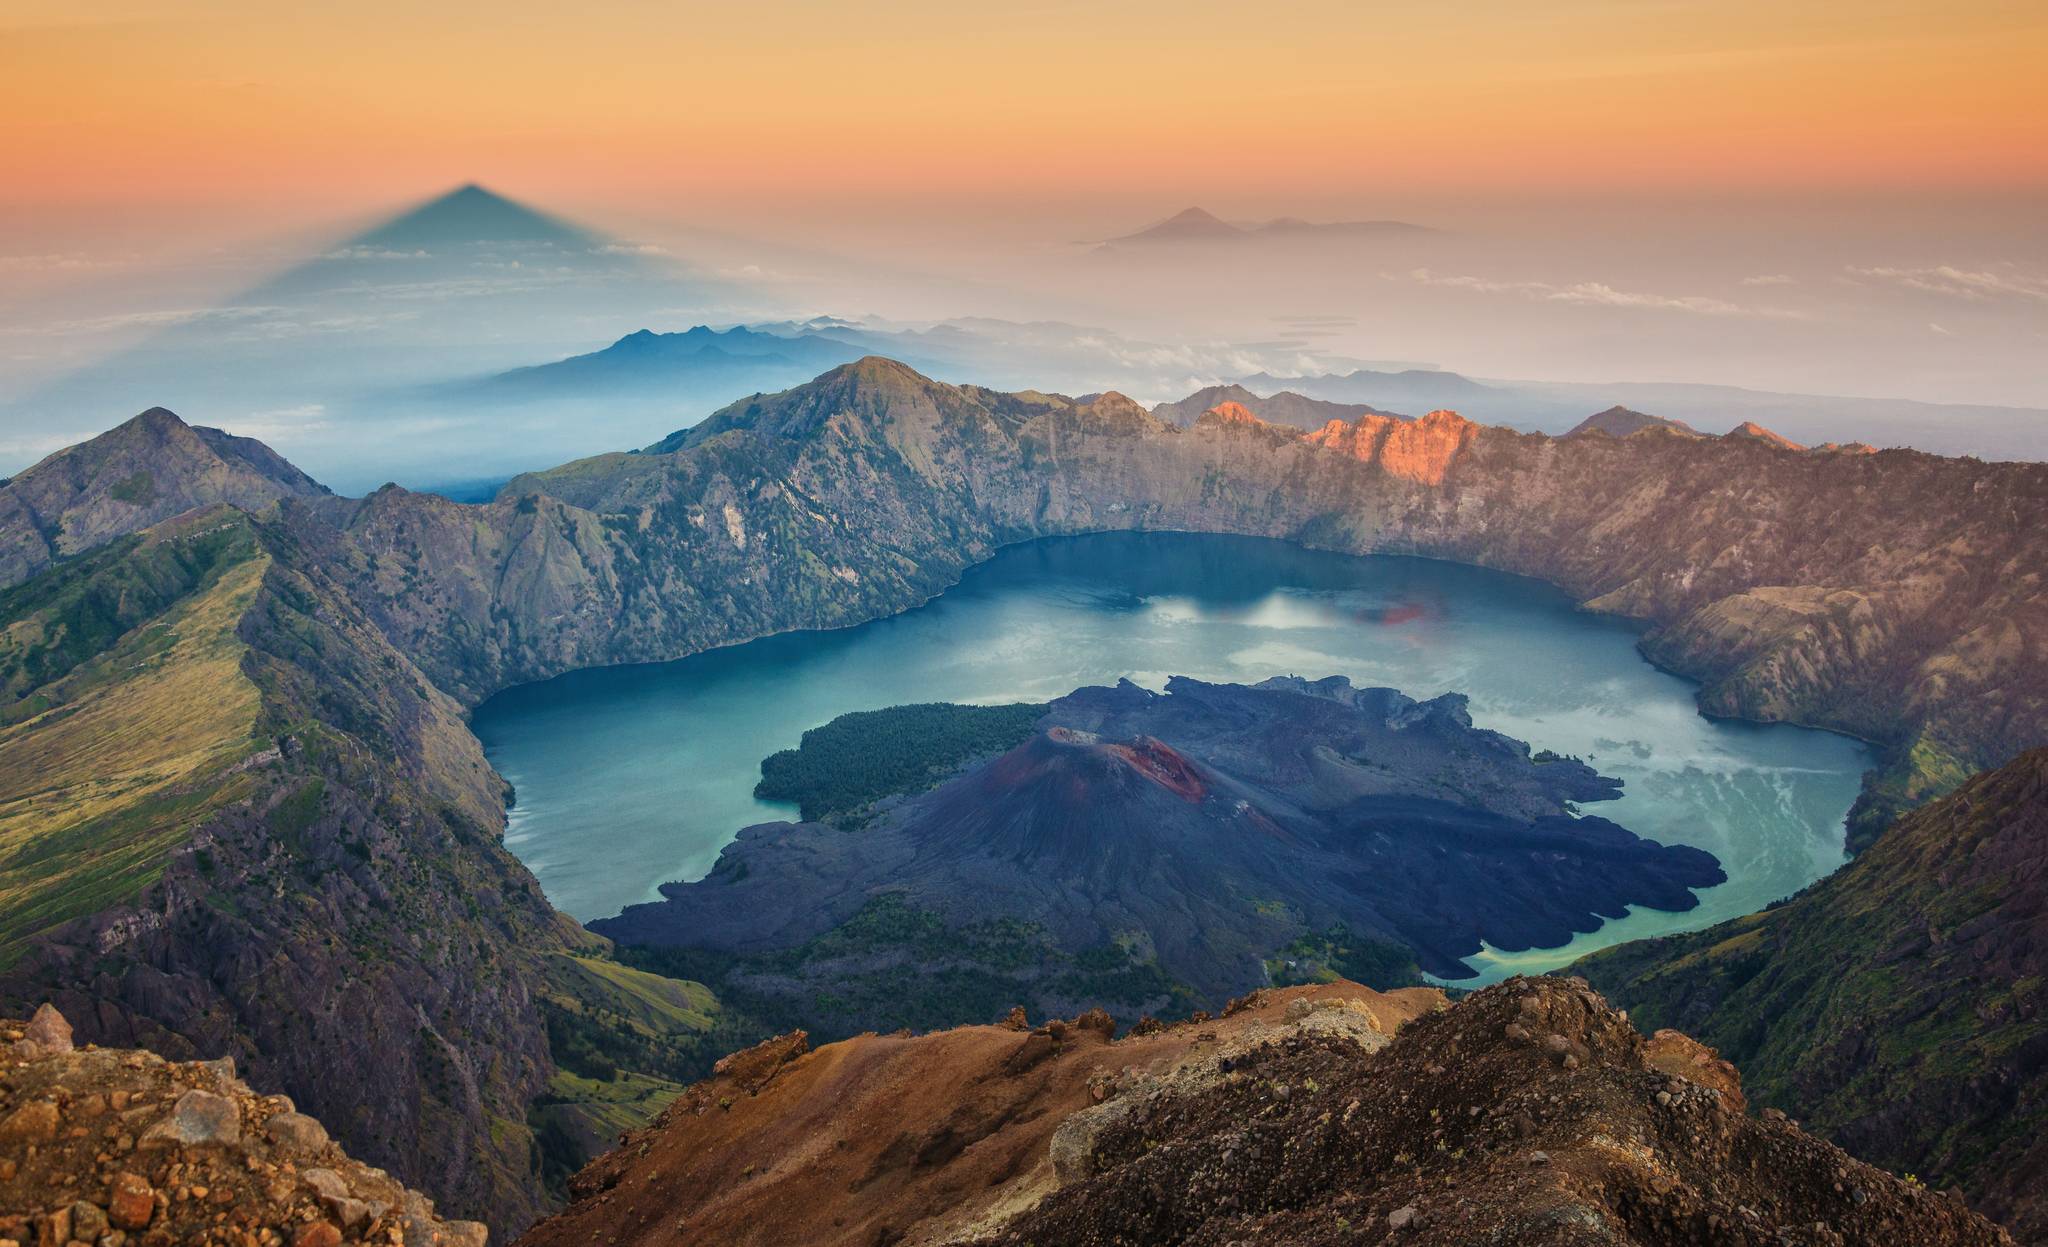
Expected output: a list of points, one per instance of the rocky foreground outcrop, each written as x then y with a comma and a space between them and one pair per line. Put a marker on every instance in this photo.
1531, 1112
112, 1146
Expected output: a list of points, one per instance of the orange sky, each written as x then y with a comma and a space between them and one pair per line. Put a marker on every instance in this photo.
252, 103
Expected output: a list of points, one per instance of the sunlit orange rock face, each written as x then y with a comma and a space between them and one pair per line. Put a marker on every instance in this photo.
1234, 413
1756, 432
1415, 450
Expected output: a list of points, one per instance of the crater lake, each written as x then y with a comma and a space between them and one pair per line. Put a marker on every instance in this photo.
627, 777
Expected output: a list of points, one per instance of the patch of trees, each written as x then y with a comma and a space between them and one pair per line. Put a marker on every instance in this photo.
857, 759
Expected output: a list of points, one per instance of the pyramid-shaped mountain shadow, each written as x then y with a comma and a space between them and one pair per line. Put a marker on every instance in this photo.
466, 284
474, 243
471, 214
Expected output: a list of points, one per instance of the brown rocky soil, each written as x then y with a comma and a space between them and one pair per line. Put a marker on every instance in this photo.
113, 1147
925, 1140
1531, 1112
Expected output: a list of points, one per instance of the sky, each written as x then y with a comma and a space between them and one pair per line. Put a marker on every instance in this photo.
245, 105
1818, 196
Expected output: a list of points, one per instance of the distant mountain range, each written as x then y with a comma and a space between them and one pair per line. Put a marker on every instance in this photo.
429, 348
1198, 226
1986, 432
1285, 407
670, 379
645, 363
1622, 422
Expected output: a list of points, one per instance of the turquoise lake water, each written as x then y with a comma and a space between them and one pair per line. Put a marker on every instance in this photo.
631, 776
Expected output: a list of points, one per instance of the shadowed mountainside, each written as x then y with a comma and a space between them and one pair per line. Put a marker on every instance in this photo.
235, 821
247, 826
1897, 1006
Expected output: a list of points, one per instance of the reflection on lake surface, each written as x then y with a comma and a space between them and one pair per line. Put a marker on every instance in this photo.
631, 776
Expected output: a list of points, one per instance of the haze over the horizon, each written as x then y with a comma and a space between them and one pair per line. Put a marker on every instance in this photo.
1821, 197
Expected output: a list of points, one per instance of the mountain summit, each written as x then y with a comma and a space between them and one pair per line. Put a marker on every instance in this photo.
1199, 225
1186, 225
137, 474
1619, 421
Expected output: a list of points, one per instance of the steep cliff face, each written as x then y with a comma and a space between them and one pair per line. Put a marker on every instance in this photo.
1528, 1113
1899, 1005
1897, 596
145, 471
280, 845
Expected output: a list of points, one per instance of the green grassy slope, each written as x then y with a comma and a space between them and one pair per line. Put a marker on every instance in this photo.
124, 717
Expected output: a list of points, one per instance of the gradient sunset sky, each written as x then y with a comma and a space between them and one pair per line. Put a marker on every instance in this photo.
246, 105
1823, 197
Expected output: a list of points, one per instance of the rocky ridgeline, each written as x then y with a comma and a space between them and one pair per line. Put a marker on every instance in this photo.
113, 1147
1530, 1113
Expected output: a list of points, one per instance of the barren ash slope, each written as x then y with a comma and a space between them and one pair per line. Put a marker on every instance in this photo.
240, 811
1530, 1113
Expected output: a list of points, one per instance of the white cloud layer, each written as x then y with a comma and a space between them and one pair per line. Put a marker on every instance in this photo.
2000, 282
1598, 294
374, 253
